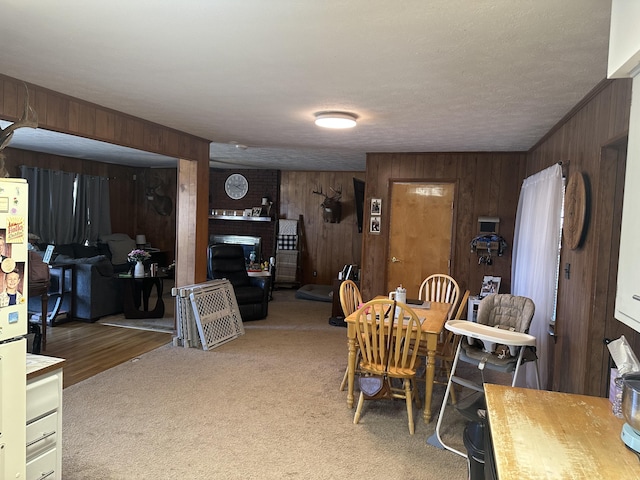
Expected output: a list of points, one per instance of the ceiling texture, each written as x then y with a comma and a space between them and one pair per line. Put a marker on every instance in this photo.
248, 75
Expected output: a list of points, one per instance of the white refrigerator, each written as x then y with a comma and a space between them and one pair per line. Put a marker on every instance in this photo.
13, 326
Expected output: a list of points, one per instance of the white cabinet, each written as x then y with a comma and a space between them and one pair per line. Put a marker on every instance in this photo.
624, 39
44, 417
628, 292
624, 62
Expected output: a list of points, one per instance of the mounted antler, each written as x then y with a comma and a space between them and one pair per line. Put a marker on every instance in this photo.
160, 202
331, 206
29, 118
337, 194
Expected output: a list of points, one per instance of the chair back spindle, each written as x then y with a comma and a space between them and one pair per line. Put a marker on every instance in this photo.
350, 298
440, 288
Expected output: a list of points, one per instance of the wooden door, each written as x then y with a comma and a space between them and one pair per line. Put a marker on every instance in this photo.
420, 231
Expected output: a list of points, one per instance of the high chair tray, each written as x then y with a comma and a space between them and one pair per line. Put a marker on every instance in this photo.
491, 334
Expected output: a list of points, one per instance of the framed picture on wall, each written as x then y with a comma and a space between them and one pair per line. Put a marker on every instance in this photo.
374, 224
376, 206
490, 285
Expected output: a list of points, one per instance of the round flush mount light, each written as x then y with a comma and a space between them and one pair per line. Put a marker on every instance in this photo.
335, 119
239, 146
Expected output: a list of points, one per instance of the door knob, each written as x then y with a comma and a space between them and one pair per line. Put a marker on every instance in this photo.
395, 260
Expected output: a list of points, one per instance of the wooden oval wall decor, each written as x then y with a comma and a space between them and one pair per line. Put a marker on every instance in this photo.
575, 210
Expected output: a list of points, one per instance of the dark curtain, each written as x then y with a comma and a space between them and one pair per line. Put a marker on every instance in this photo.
67, 207
92, 216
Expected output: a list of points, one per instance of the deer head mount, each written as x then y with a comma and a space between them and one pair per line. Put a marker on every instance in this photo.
331, 206
156, 195
29, 118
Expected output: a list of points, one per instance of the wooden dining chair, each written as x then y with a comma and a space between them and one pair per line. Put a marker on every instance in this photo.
440, 288
350, 300
386, 332
446, 349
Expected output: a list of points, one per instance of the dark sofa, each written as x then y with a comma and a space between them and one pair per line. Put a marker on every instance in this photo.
252, 293
97, 291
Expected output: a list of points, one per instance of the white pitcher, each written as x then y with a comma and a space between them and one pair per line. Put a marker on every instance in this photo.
399, 294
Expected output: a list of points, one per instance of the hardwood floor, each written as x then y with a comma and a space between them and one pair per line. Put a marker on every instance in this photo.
90, 348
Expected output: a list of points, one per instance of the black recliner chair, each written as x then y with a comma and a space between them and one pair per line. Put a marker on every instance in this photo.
252, 293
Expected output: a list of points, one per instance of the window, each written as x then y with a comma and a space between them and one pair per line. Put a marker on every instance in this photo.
67, 207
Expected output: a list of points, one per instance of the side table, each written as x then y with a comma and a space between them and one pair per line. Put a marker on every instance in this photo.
137, 291
61, 287
41, 290
263, 273
157, 256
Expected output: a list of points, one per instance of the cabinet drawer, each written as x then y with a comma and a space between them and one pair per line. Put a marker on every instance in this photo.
43, 396
42, 435
43, 467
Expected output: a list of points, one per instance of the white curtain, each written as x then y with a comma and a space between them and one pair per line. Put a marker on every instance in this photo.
536, 245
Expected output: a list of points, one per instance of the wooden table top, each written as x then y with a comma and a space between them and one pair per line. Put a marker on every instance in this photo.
542, 434
433, 317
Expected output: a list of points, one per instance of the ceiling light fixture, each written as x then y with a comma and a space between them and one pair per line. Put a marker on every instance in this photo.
239, 146
336, 119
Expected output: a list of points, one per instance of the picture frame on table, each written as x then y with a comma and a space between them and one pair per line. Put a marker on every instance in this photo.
376, 206
374, 224
490, 285
256, 211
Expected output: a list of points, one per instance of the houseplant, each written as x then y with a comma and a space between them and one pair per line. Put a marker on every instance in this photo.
138, 256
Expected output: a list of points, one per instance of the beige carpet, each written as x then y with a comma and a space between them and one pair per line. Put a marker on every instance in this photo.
263, 406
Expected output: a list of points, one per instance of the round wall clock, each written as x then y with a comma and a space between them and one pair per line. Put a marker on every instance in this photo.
575, 210
236, 186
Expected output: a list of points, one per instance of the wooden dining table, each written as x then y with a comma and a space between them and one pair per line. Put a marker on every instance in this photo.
433, 318
542, 434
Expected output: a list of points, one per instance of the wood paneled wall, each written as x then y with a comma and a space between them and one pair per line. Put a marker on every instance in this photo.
591, 139
327, 247
131, 213
61, 113
487, 184
160, 230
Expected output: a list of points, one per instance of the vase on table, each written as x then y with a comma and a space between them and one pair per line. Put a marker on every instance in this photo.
138, 270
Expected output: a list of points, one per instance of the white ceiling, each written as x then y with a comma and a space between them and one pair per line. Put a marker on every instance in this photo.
422, 76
